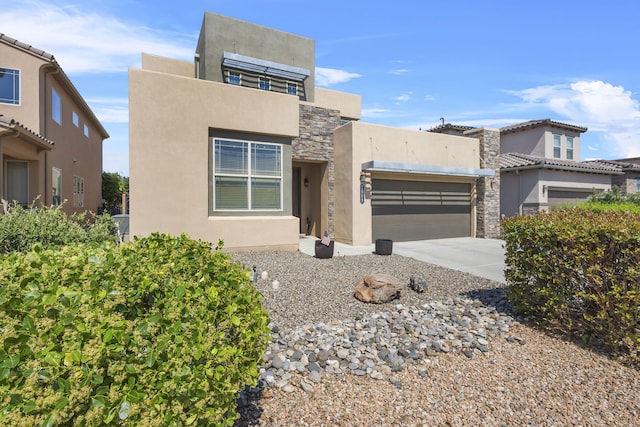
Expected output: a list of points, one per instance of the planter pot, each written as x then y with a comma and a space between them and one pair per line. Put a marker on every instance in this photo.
384, 246
323, 251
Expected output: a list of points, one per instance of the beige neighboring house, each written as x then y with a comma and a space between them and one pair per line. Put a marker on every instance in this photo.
50, 140
240, 145
539, 167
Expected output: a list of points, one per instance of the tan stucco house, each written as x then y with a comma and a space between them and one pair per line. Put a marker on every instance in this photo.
540, 167
240, 145
50, 140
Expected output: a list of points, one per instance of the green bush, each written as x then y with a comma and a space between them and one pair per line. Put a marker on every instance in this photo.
577, 270
159, 331
22, 228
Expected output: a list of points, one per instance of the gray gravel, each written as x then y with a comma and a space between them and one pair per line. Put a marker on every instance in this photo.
313, 290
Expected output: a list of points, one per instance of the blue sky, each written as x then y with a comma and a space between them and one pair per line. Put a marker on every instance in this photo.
477, 63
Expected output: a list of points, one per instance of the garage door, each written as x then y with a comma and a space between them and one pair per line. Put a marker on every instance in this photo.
559, 198
414, 210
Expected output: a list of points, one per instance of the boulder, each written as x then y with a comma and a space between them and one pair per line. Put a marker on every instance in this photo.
378, 288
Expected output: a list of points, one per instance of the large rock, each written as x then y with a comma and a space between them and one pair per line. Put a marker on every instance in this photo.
378, 288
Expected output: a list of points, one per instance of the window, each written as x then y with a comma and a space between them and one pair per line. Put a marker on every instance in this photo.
556, 146
56, 182
56, 107
637, 185
75, 119
247, 176
292, 88
86, 131
235, 78
9, 86
264, 83
78, 191
570, 147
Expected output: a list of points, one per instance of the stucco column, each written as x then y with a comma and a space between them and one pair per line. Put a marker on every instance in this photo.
488, 188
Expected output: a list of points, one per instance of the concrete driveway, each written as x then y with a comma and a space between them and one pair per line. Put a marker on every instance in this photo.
480, 257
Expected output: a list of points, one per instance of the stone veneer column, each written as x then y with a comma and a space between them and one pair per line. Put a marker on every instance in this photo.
488, 189
316, 143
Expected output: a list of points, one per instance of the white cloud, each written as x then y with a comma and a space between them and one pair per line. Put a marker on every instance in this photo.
110, 110
330, 76
600, 106
85, 41
403, 97
429, 98
375, 112
399, 71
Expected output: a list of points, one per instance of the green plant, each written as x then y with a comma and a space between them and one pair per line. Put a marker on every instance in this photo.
577, 270
21, 228
159, 331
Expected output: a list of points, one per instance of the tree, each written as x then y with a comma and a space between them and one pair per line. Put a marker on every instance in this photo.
113, 187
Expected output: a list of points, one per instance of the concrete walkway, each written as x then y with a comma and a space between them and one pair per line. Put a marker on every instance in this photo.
480, 257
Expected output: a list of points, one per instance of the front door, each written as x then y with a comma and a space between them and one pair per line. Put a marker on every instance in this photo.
18, 182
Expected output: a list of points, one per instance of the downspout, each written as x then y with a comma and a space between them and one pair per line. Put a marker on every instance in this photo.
519, 191
45, 129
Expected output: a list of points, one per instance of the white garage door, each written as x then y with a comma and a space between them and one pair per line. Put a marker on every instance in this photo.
415, 210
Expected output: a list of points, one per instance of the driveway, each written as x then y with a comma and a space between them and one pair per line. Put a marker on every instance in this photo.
480, 257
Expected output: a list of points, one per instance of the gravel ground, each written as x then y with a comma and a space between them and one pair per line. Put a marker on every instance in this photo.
537, 380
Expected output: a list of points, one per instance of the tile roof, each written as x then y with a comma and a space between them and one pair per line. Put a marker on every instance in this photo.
449, 126
63, 78
625, 166
542, 122
516, 161
9, 123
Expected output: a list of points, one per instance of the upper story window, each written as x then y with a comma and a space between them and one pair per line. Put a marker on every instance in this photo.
264, 83
247, 176
9, 86
235, 78
570, 147
86, 131
557, 146
75, 119
292, 88
56, 107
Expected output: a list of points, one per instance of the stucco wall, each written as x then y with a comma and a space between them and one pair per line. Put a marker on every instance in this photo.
349, 105
357, 143
168, 65
530, 141
170, 118
220, 33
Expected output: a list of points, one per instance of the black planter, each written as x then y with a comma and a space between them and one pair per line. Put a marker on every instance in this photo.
384, 246
323, 251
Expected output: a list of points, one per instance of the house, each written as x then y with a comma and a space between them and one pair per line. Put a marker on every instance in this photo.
539, 167
629, 180
241, 146
50, 140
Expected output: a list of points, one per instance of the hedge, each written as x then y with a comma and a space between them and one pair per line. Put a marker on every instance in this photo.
160, 331
577, 270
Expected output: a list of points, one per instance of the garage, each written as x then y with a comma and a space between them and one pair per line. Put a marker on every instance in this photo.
417, 210
558, 198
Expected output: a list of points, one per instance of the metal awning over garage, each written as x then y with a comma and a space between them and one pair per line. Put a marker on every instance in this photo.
380, 166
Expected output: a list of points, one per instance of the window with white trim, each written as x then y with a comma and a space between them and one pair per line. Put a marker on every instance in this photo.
78, 191
570, 147
86, 131
247, 176
56, 107
234, 78
9, 86
557, 146
292, 88
75, 119
264, 83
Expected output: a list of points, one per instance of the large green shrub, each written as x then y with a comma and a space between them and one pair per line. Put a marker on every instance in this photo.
22, 228
159, 331
577, 270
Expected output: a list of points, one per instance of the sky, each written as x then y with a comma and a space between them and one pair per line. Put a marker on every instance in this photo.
415, 63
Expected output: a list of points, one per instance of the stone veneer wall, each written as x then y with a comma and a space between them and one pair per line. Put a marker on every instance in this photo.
488, 189
315, 143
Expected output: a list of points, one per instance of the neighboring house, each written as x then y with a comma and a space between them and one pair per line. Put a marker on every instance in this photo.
629, 181
539, 167
240, 145
50, 140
